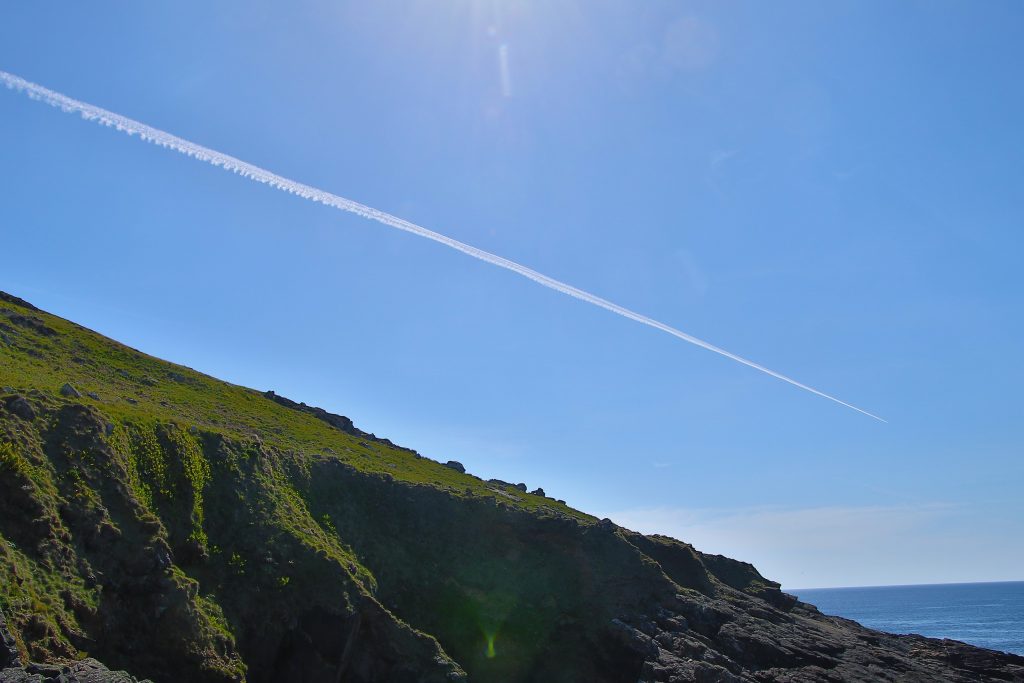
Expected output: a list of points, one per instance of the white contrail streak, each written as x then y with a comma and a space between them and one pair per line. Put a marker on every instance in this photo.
230, 163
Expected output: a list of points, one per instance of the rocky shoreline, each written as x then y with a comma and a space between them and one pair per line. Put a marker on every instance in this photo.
13, 670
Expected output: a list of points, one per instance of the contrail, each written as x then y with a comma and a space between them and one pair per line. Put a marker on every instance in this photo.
247, 170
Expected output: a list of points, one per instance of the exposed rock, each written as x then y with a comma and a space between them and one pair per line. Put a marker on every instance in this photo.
337, 421
456, 465
31, 323
521, 486
93, 395
504, 494
801, 646
20, 406
539, 492
11, 299
83, 671
69, 391
8, 390
8, 648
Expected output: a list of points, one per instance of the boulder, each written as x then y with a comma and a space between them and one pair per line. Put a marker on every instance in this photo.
69, 391
20, 406
539, 492
83, 671
31, 323
456, 465
8, 650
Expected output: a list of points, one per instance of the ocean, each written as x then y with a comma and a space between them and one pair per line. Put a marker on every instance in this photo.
989, 615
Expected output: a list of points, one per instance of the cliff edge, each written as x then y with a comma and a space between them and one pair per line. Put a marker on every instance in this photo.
180, 528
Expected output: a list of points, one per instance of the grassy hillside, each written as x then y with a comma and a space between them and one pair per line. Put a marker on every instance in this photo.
238, 507
183, 528
42, 352
244, 511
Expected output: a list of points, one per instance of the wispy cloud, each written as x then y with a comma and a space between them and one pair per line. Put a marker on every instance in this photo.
246, 170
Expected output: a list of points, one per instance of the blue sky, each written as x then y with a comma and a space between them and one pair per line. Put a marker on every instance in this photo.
829, 189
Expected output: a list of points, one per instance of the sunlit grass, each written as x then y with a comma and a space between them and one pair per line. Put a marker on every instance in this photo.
140, 391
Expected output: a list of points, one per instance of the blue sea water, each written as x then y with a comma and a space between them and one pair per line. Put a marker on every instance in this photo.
990, 615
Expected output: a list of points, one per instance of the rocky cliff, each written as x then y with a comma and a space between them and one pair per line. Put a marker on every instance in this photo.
180, 528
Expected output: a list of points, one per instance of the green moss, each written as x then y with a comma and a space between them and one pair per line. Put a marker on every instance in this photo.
12, 461
149, 459
328, 524
82, 492
123, 441
197, 474
237, 564
31, 593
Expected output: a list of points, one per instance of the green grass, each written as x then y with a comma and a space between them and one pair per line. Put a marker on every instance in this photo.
246, 498
137, 392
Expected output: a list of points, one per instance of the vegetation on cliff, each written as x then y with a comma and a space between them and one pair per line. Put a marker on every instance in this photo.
183, 528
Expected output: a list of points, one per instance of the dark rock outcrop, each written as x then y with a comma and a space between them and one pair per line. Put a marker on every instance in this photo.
11, 299
29, 322
83, 671
19, 405
744, 642
339, 422
8, 647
